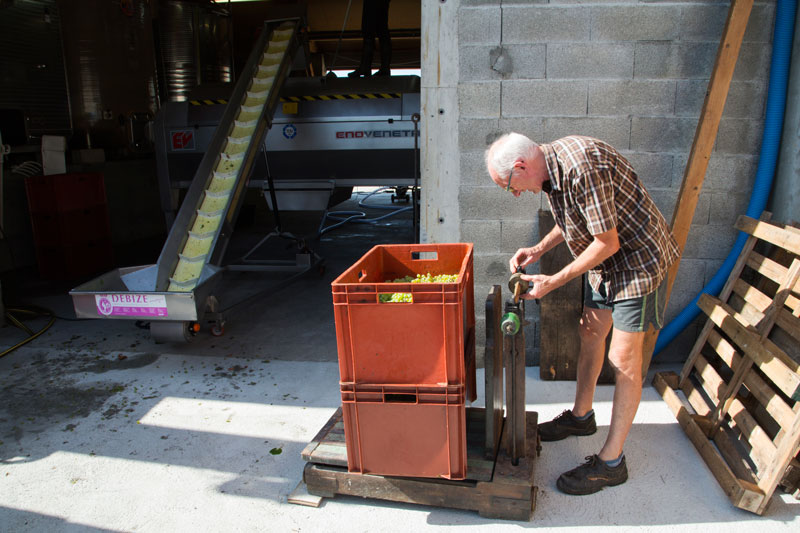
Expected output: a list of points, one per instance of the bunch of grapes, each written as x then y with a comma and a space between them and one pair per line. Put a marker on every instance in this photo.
421, 278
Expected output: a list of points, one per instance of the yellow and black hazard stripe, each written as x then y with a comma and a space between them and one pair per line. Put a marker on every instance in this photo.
329, 97
311, 98
215, 101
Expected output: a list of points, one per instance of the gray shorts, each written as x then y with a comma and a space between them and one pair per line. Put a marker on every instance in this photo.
635, 314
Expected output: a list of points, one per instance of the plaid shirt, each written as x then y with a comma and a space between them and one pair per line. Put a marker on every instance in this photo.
593, 189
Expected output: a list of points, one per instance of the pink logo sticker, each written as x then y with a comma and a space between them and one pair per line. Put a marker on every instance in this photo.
128, 304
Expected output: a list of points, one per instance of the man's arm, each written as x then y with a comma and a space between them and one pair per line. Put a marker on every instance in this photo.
526, 256
601, 248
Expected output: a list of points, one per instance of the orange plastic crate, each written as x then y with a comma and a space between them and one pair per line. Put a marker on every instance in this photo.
405, 431
428, 342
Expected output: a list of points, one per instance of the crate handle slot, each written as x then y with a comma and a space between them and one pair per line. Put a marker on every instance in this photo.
425, 256
362, 275
400, 398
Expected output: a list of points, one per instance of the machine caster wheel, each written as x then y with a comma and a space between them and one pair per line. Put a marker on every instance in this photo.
218, 330
171, 331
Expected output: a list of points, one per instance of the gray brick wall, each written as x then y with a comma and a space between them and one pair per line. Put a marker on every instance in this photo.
633, 73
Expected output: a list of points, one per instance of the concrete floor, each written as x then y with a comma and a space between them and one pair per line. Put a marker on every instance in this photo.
101, 429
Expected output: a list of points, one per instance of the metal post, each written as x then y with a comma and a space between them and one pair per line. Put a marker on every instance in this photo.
415, 192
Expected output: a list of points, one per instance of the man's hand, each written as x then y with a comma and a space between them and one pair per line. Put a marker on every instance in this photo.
540, 286
523, 258
526, 256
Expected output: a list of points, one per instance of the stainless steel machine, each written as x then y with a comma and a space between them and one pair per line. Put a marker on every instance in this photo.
328, 135
299, 141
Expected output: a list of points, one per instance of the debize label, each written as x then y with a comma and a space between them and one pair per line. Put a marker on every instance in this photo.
152, 305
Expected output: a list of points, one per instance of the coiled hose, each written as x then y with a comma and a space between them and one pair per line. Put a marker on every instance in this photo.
28, 311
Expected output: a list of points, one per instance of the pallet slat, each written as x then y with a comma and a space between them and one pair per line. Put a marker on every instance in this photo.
736, 379
769, 358
783, 238
742, 493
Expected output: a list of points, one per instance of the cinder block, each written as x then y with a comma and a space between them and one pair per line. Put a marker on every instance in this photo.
516, 234
753, 62
746, 99
478, 25
703, 22
681, 344
712, 267
726, 207
527, 61
635, 22
473, 63
490, 269
679, 169
665, 200
739, 136
580, 61
473, 169
709, 242
484, 234
545, 24
662, 134
730, 172
631, 97
479, 100
761, 23
690, 97
493, 203
658, 60
546, 97
477, 133
654, 170
691, 276
725, 172
613, 130
532, 127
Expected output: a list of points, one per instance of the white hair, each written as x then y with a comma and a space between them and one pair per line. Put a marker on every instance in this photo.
506, 150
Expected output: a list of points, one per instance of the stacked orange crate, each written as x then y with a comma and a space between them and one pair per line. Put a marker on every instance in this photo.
71, 231
406, 368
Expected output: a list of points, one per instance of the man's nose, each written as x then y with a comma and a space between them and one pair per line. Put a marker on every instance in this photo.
516, 193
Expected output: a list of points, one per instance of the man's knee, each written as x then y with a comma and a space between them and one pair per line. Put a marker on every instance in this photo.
594, 326
625, 353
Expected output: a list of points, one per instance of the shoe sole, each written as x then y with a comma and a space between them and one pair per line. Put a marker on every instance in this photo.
545, 438
578, 492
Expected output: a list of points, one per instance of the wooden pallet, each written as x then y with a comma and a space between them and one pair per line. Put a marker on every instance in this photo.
740, 402
494, 488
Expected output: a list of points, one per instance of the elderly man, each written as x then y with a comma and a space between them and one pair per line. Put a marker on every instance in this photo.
616, 234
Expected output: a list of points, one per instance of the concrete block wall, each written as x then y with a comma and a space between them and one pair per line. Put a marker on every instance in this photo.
631, 73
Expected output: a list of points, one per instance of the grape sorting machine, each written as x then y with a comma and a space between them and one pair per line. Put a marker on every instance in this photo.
176, 292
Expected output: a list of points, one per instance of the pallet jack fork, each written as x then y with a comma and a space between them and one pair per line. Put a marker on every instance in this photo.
501, 450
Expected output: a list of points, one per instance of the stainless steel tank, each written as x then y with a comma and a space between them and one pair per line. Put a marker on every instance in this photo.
194, 47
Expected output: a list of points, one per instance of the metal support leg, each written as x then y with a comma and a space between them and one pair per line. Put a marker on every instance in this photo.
493, 373
514, 355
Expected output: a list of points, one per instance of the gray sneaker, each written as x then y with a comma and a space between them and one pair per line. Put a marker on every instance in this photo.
565, 425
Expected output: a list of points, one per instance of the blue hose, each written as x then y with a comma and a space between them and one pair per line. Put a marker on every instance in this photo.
768, 159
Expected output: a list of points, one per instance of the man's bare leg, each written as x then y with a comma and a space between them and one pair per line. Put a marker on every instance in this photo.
625, 355
593, 329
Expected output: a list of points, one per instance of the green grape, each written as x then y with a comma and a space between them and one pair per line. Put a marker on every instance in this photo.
407, 297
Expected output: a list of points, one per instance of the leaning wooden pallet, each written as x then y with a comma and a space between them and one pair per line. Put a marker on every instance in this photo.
741, 382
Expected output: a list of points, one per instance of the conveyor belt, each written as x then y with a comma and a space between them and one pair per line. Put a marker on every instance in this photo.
200, 234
